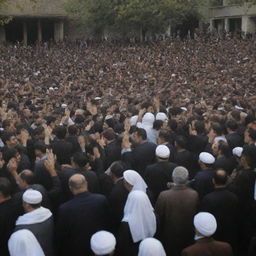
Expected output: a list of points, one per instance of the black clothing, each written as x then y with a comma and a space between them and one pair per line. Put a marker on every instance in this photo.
63, 150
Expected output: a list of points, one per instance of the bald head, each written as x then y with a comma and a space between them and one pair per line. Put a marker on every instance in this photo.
220, 178
78, 184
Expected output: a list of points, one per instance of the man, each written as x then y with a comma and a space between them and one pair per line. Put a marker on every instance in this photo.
119, 193
206, 225
233, 137
175, 209
80, 218
9, 212
37, 219
103, 243
79, 164
142, 155
61, 148
202, 182
159, 174
223, 204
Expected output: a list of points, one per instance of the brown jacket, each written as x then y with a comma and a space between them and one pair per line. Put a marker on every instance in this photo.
208, 247
175, 210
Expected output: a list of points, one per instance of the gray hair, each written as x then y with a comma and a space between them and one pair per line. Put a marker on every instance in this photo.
180, 175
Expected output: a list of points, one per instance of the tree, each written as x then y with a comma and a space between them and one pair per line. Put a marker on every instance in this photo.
124, 16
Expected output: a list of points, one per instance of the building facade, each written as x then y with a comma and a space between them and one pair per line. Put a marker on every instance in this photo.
233, 18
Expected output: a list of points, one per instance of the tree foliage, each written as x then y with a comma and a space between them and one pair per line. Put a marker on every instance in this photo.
126, 15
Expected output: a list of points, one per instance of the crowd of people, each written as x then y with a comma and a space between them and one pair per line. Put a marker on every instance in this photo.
132, 149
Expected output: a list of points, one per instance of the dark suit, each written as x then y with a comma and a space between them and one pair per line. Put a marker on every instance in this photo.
208, 247
202, 182
223, 204
157, 176
78, 220
228, 164
112, 153
117, 200
141, 156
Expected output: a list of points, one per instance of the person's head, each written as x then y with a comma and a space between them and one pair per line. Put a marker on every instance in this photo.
27, 178
78, 184
231, 126
103, 243
216, 129
199, 127
234, 115
162, 153
51, 121
133, 181
248, 158
250, 136
26, 112
206, 160
79, 161
72, 130
221, 148
163, 137
31, 200
220, 178
40, 149
9, 139
108, 135
180, 142
5, 189
140, 135
205, 224
151, 247
180, 175
237, 153
158, 124
60, 132
117, 170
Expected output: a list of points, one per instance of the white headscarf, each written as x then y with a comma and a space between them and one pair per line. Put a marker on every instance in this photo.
139, 214
134, 179
147, 124
24, 243
151, 247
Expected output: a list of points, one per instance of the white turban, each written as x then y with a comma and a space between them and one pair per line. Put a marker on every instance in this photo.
133, 120
162, 151
151, 247
161, 116
148, 120
134, 179
32, 196
206, 158
205, 223
237, 151
24, 243
103, 243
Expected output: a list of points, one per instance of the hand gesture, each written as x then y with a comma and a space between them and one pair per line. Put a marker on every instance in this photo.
12, 165
125, 142
49, 163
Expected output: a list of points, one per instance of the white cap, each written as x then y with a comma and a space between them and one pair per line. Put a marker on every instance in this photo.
237, 151
32, 196
205, 223
238, 107
103, 243
206, 158
151, 247
161, 116
184, 109
108, 117
97, 98
64, 105
51, 89
162, 151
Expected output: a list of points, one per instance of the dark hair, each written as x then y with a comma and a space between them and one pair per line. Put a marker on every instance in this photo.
28, 177
220, 177
72, 130
165, 134
249, 152
252, 133
232, 125
217, 128
35, 206
9, 153
181, 141
141, 133
50, 119
236, 115
199, 127
80, 159
224, 148
6, 136
118, 168
60, 132
40, 147
173, 124
157, 124
5, 187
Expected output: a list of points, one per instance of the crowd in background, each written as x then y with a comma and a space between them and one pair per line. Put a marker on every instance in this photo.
135, 139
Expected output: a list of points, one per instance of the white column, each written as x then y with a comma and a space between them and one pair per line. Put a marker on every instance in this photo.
2, 34
39, 31
226, 25
211, 24
248, 25
58, 31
